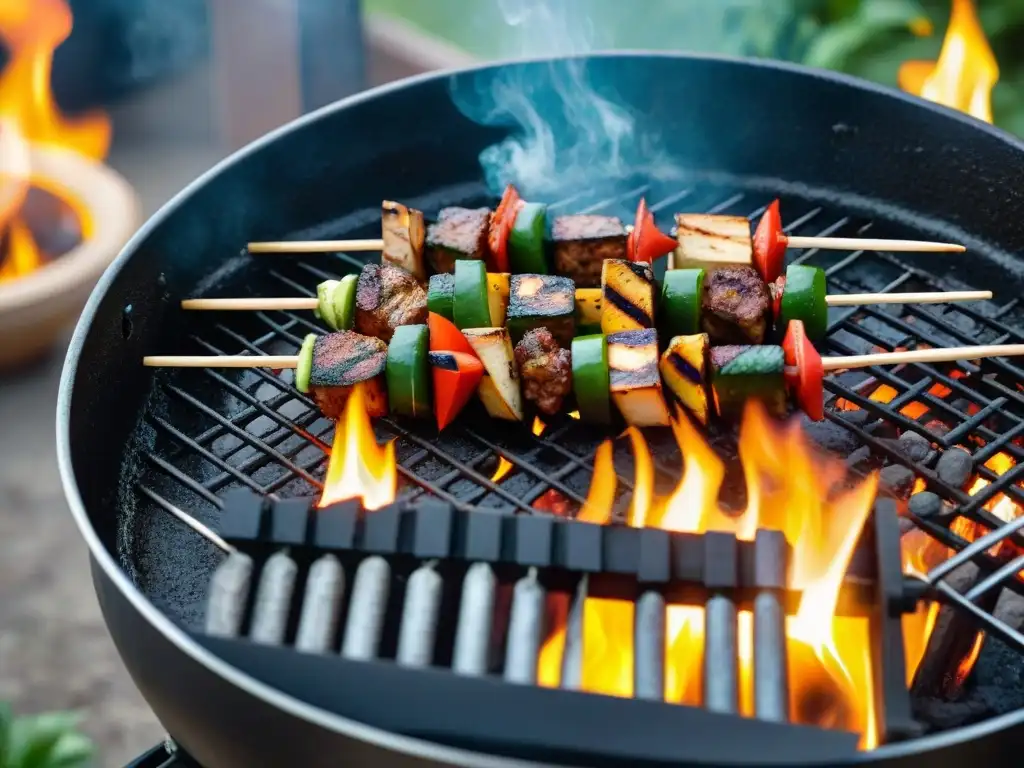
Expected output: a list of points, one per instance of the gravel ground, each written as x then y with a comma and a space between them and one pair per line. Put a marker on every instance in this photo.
55, 652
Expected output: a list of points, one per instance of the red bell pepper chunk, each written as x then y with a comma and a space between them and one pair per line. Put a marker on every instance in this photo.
456, 376
770, 244
445, 337
804, 372
646, 242
502, 219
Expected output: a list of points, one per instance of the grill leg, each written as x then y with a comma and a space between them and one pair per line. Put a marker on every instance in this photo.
526, 626
649, 647
273, 600
366, 613
476, 615
771, 683
325, 587
419, 617
721, 661
572, 656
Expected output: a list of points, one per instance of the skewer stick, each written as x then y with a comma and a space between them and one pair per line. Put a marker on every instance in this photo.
316, 246
933, 297
869, 244
221, 361
945, 355
833, 300
296, 302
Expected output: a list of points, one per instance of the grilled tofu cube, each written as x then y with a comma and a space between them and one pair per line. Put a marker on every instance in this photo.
342, 360
458, 233
499, 387
403, 233
709, 242
635, 380
627, 296
740, 373
542, 301
735, 306
582, 242
683, 369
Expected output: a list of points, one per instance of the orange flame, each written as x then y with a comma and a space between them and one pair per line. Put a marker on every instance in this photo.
30, 31
789, 488
359, 468
966, 70
505, 466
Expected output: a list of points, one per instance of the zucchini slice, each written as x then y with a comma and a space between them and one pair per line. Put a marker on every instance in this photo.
441, 294
740, 373
470, 304
407, 370
590, 378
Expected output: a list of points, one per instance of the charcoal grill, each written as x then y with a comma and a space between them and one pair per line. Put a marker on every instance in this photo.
148, 460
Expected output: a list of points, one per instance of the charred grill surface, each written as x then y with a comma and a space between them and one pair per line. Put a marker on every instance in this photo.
205, 432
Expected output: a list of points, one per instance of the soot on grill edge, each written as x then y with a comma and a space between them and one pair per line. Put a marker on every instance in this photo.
206, 432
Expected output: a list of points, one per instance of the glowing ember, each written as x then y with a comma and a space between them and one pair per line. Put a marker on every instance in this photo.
966, 71
359, 468
30, 31
505, 466
790, 488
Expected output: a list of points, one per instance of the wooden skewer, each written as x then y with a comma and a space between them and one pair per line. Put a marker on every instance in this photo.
869, 244
944, 355
221, 361
316, 246
933, 297
837, 300
822, 243
297, 302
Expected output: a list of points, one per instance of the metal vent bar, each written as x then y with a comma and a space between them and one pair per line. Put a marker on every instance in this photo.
420, 585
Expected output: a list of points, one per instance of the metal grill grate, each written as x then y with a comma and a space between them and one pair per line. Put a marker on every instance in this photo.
215, 430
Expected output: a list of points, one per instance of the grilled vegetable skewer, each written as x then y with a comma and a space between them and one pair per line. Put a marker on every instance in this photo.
622, 368
732, 311
512, 238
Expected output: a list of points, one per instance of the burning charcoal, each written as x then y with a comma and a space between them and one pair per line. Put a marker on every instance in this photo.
52, 221
898, 480
914, 446
860, 460
925, 505
955, 467
999, 677
1010, 609
937, 428
859, 417
941, 715
831, 436
906, 524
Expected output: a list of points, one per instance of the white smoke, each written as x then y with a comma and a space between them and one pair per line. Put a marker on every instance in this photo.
565, 130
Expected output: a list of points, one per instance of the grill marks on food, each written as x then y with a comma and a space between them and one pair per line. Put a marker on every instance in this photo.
387, 297
741, 373
735, 306
683, 369
458, 233
343, 359
582, 242
709, 241
627, 296
402, 230
634, 377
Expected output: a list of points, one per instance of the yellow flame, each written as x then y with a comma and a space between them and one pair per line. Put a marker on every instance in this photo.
359, 468
790, 488
505, 467
966, 70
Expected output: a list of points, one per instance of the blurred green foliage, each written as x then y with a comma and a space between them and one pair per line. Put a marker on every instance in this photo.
867, 38
50, 740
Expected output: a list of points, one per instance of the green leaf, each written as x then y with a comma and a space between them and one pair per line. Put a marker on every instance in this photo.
48, 740
842, 41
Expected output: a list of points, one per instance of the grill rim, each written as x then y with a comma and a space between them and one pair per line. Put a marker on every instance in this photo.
108, 572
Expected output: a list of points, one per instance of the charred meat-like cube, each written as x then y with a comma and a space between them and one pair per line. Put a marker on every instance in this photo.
581, 244
634, 378
735, 307
458, 233
545, 370
403, 232
740, 373
542, 301
710, 242
387, 297
343, 360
